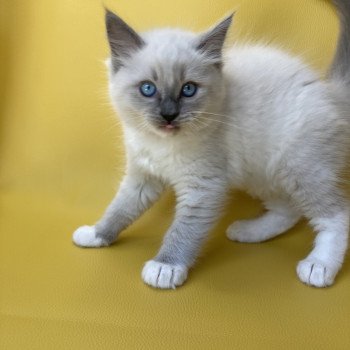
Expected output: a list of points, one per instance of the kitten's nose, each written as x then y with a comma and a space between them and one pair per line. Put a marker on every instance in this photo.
169, 117
169, 109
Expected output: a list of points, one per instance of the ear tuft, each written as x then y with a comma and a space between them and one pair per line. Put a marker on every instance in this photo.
212, 41
123, 40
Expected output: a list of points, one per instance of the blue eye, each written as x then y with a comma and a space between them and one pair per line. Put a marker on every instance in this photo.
148, 89
188, 89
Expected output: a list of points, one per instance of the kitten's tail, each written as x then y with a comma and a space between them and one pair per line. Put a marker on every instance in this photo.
340, 67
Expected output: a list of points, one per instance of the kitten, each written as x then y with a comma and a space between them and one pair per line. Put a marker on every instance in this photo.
255, 119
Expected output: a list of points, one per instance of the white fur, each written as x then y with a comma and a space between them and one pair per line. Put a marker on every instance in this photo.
323, 263
163, 276
279, 218
85, 236
266, 124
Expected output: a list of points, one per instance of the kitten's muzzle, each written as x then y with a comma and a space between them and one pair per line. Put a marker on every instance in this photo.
169, 109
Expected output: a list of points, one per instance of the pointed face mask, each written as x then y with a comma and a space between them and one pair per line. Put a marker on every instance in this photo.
166, 81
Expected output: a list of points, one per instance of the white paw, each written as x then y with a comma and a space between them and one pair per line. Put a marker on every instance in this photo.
165, 276
316, 273
85, 236
241, 231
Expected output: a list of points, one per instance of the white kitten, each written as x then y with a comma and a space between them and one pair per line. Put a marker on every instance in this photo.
255, 119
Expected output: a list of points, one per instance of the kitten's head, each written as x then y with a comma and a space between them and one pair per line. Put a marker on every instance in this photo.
166, 81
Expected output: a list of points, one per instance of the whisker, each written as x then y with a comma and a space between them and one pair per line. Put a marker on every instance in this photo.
219, 121
219, 115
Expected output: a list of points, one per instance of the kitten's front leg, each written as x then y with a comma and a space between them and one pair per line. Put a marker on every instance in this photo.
197, 210
135, 195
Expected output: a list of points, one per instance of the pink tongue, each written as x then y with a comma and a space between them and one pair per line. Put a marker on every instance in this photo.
169, 126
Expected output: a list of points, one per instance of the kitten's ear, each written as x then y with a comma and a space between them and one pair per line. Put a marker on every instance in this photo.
212, 41
123, 40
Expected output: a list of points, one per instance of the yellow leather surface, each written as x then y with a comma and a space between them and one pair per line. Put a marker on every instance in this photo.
61, 160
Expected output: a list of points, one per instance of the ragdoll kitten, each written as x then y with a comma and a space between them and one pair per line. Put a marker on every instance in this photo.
255, 119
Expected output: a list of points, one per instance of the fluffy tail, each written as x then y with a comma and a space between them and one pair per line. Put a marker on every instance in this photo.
340, 67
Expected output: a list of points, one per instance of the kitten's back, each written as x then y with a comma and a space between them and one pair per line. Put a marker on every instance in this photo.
280, 112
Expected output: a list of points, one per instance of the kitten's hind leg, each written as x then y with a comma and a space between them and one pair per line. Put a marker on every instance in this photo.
279, 218
321, 266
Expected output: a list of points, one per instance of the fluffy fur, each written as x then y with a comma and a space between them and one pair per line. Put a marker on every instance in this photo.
261, 121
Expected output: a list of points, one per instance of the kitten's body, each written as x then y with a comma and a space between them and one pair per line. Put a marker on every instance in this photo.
264, 122
280, 111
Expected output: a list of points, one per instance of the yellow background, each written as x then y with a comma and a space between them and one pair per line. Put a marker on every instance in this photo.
61, 160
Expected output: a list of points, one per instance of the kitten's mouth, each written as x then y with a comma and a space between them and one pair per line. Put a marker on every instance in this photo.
169, 128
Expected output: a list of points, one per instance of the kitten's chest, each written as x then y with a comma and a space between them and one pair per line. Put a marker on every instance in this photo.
164, 162
157, 163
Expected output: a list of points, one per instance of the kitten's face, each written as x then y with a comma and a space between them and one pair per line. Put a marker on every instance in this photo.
166, 82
